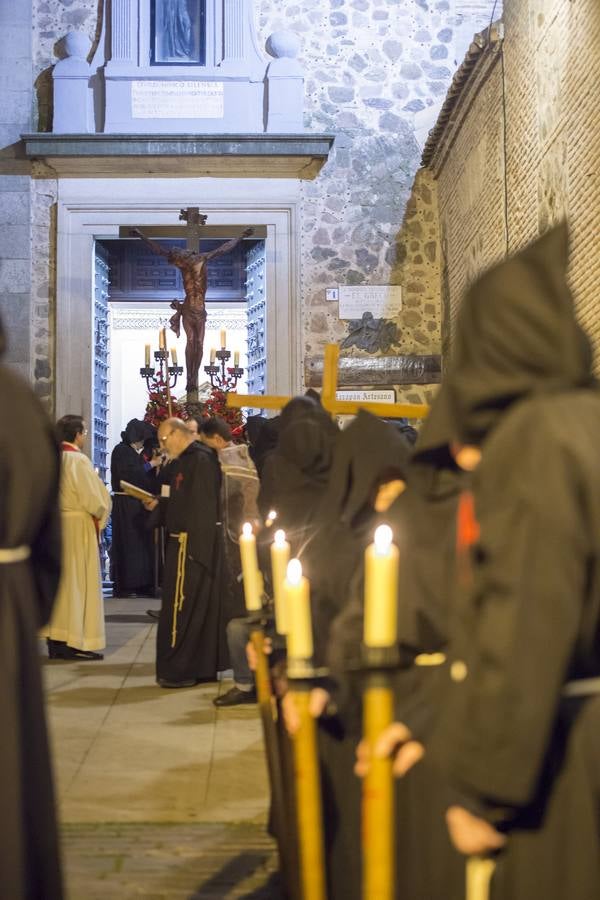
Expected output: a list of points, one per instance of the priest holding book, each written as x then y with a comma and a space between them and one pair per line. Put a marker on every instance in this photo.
191, 645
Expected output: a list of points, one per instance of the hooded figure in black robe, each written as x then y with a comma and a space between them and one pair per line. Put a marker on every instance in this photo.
191, 643
518, 735
132, 554
29, 518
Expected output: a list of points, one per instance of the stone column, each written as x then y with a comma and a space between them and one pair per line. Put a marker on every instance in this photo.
233, 29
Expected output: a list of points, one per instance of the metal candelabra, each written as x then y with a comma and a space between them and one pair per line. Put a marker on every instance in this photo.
167, 374
221, 376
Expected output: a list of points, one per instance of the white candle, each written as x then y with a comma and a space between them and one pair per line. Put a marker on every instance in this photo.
147, 355
280, 557
174, 356
381, 590
251, 573
213, 356
236, 358
162, 338
223, 338
297, 594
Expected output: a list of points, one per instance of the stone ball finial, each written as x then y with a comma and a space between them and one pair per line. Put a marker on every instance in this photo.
284, 44
77, 45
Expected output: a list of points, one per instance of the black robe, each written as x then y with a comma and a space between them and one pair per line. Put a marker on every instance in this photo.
529, 621
191, 643
29, 854
132, 554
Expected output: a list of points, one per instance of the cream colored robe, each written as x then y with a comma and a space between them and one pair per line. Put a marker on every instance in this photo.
78, 614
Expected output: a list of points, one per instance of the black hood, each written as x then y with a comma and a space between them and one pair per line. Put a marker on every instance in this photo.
516, 335
135, 431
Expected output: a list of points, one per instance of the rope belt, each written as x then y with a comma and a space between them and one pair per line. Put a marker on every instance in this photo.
581, 687
9, 555
178, 595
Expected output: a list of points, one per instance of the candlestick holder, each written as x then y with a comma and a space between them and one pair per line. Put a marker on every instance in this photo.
165, 372
223, 377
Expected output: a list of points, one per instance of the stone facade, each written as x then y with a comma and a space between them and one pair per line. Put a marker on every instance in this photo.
376, 70
525, 152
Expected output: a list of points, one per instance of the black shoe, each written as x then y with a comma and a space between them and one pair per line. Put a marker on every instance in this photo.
61, 650
164, 683
235, 697
153, 613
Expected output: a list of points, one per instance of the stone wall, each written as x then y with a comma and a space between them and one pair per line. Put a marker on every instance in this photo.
525, 152
376, 70
15, 199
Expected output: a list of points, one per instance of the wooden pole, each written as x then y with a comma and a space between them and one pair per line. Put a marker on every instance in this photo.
378, 812
308, 799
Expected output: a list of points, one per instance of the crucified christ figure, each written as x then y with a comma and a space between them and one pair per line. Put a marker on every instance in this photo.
192, 312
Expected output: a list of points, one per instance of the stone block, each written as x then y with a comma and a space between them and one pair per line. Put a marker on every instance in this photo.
15, 41
15, 242
14, 207
14, 276
15, 107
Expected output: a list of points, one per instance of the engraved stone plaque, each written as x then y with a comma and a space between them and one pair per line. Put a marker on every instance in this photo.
177, 100
383, 300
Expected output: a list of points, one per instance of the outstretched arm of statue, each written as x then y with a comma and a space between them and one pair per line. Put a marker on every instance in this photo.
229, 245
156, 248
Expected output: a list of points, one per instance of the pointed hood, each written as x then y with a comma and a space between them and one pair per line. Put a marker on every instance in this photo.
516, 335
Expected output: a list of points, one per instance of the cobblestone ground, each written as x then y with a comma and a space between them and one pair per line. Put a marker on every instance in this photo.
170, 862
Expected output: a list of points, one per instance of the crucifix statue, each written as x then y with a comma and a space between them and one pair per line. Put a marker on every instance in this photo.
193, 266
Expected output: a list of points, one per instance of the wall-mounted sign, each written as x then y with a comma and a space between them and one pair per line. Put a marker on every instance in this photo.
177, 100
383, 300
377, 396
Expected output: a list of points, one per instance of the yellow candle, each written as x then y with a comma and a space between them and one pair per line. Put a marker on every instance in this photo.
162, 338
236, 358
381, 590
297, 601
174, 356
280, 557
223, 338
250, 571
147, 355
213, 356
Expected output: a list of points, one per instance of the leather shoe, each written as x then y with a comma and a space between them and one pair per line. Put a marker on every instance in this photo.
60, 650
235, 697
153, 613
165, 683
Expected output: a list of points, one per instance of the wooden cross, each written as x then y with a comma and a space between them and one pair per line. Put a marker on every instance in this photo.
329, 400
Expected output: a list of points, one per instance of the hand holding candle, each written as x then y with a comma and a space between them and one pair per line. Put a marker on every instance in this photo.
381, 590
250, 570
147, 355
280, 557
297, 595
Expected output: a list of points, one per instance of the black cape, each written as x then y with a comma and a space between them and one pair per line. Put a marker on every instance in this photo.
191, 642
29, 855
522, 388
132, 559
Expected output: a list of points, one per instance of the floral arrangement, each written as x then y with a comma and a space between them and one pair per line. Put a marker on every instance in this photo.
216, 405
157, 408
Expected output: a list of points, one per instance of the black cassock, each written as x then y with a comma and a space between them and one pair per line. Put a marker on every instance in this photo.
132, 545
29, 517
191, 642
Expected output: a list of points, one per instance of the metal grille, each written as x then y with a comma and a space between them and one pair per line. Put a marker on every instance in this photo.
101, 338
256, 302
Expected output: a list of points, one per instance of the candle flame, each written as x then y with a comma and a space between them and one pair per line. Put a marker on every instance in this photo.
272, 515
279, 538
383, 539
294, 572
246, 529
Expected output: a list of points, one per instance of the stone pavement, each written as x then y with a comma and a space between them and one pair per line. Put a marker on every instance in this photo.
160, 794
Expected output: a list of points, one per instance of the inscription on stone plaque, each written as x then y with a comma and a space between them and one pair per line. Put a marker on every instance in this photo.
177, 100
383, 300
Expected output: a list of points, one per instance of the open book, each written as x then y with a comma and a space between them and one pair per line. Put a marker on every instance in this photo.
138, 493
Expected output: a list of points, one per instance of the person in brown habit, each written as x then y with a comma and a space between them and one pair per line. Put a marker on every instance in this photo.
192, 312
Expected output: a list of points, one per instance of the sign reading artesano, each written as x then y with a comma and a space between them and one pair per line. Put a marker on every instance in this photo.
177, 100
383, 300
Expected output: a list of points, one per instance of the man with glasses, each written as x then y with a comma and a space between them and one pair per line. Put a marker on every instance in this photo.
191, 645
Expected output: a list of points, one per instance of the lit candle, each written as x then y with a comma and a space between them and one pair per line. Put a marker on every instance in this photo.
147, 355
161, 339
213, 356
381, 590
174, 356
270, 518
223, 338
236, 358
250, 570
280, 557
297, 601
